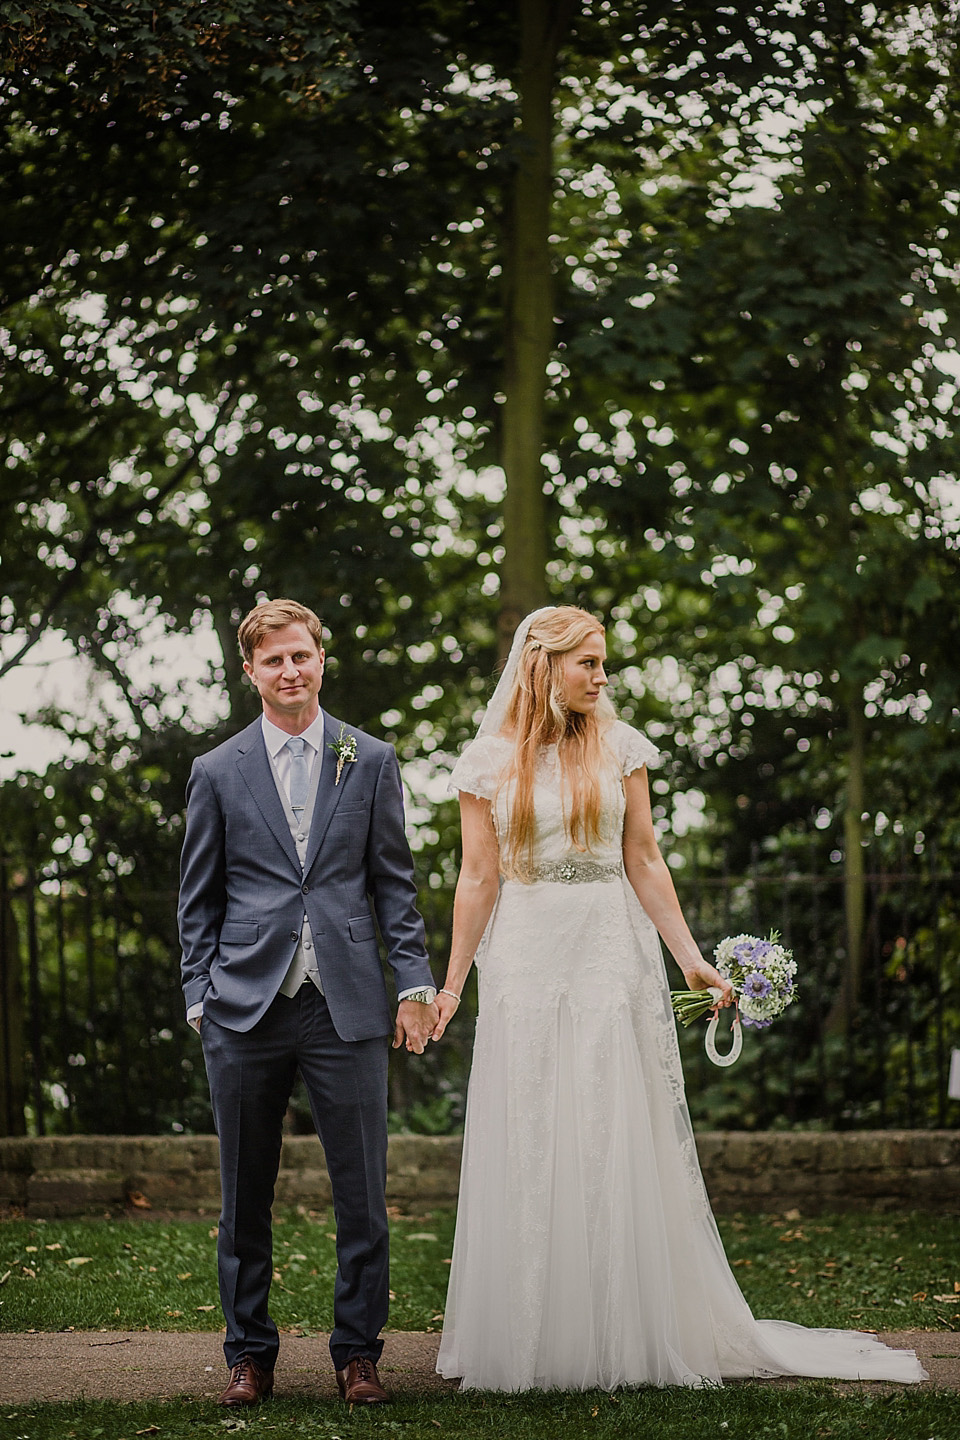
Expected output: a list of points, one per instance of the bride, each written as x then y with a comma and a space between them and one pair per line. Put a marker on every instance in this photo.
586, 1253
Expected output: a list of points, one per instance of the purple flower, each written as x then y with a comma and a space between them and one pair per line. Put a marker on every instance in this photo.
743, 952
761, 953
755, 1024
756, 986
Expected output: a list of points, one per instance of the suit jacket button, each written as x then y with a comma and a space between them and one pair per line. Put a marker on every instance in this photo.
294, 935
305, 889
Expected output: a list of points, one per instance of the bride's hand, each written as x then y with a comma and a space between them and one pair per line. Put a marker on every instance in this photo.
448, 1005
701, 975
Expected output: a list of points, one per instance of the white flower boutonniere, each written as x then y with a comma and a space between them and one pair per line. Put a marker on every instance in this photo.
345, 749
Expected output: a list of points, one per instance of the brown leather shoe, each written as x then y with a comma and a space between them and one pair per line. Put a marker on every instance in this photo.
249, 1384
360, 1384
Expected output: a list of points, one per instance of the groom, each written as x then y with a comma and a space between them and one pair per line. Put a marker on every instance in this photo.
292, 828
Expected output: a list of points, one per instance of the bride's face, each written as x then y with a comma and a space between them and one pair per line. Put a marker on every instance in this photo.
583, 674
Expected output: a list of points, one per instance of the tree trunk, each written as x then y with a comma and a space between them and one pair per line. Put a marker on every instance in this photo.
529, 316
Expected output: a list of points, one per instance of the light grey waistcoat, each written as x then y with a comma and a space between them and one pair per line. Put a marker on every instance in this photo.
303, 966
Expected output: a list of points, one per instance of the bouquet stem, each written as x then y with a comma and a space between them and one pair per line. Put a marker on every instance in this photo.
691, 1005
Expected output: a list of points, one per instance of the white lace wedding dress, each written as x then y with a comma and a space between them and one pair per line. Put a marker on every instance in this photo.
586, 1253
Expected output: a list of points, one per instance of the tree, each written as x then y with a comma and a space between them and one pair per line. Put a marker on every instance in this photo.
264, 289
802, 427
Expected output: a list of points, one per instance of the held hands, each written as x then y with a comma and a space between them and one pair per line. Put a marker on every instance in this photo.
416, 1023
701, 975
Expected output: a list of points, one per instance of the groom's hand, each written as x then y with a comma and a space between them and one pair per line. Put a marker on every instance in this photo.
416, 1022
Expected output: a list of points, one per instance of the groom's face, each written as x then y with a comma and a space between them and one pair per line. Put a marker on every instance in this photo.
287, 670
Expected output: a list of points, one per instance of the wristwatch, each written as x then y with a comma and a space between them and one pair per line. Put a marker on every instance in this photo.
426, 996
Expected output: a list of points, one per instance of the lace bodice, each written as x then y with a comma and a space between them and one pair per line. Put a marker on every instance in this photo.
481, 766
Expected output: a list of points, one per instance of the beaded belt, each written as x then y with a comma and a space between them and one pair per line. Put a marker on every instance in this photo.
577, 872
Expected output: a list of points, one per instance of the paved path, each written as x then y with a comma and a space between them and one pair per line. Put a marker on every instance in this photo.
151, 1365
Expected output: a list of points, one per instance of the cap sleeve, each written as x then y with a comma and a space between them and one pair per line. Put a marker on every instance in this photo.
478, 769
632, 749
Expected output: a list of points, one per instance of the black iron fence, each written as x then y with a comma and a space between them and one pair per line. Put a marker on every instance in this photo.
885, 1062
93, 1038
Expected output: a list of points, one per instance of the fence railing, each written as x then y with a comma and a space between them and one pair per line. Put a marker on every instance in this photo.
884, 1065
93, 1039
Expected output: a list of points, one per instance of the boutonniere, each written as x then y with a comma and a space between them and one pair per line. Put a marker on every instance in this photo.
345, 749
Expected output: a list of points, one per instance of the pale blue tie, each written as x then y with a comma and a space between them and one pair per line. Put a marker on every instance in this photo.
299, 775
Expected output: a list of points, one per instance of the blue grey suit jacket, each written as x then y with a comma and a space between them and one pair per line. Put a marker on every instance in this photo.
243, 894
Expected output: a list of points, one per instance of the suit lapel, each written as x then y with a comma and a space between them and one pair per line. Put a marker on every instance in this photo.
253, 762
328, 792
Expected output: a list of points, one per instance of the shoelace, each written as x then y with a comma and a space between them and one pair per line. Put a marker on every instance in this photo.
364, 1368
242, 1371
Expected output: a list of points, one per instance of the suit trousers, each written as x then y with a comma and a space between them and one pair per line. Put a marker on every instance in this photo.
251, 1076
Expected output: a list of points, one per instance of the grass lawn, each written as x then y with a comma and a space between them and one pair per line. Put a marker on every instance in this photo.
850, 1271
747, 1412
872, 1272
159, 1275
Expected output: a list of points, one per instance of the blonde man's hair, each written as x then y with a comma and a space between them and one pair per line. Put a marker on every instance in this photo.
275, 615
537, 716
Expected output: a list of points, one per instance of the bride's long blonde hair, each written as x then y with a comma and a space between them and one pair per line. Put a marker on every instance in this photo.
537, 716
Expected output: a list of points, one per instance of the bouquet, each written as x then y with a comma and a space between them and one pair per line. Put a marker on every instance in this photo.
762, 974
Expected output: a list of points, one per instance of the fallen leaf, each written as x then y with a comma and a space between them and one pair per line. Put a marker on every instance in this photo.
920, 1295
948, 1299
57, 1246
206, 1307
31, 1249
213, 1232
173, 1314
150, 1430
76, 1260
422, 1235
138, 1200
185, 1276
28, 1273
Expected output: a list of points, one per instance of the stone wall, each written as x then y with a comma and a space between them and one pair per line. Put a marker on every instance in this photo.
773, 1171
